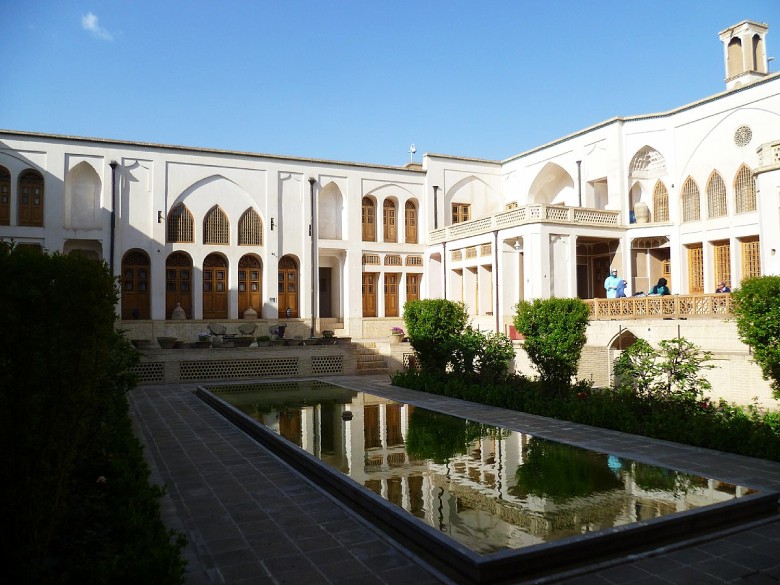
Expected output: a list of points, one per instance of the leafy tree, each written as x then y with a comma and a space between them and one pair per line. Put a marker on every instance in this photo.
757, 311
635, 368
554, 331
485, 355
432, 325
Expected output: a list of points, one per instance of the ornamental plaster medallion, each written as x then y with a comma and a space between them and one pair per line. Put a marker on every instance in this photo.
743, 135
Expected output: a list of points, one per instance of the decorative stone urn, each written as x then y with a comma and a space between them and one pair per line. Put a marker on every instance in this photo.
250, 314
178, 312
641, 212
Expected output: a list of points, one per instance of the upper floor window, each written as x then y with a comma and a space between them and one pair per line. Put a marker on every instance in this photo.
410, 221
660, 202
690, 201
216, 229
369, 220
745, 190
461, 212
389, 221
180, 225
5, 196
250, 229
31, 197
716, 196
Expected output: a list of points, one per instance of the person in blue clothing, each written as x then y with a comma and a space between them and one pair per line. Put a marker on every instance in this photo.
611, 284
620, 292
660, 289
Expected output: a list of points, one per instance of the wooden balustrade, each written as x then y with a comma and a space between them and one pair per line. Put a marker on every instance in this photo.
666, 307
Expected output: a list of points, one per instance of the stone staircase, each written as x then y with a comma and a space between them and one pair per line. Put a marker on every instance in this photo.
369, 360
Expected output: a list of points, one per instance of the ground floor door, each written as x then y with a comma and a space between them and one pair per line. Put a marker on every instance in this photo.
391, 294
369, 294
288, 287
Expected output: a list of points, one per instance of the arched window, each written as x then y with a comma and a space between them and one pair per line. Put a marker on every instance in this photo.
288, 287
660, 202
369, 220
389, 221
716, 196
180, 225
250, 229
410, 221
215, 287
31, 198
745, 190
178, 283
250, 292
216, 229
136, 279
5, 196
690, 201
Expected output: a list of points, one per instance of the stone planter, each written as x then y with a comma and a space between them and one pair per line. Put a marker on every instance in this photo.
166, 342
202, 344
262, 342
141, 343
396, 338
243, 341
343, 340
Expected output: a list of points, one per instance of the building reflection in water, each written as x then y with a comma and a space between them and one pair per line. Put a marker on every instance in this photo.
488, 488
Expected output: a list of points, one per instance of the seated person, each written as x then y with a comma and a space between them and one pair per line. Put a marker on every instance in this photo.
722, 288
660, 289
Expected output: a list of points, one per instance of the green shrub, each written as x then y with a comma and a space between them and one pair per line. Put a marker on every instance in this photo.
757, 312
554, 331
484, 355
432, 325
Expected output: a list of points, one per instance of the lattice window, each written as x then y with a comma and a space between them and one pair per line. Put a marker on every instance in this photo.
5, 196
329, 364
745, 190
471, 252
486, 250
660, 202
414, 261
233, 369
716, 196
722, 255
410, 218
389, 221
510, 206
369, 220
250, 229
751, 258
457, 255
461, 212
180, 225
393, 260
695, 269
370, 259
690, 201
149, 372
216, 229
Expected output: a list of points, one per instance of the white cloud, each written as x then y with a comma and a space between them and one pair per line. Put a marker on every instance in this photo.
90, 22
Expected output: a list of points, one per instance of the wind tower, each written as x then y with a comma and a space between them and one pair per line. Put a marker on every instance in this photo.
744, 52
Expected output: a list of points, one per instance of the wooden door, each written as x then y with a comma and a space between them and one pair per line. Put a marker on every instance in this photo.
31, 199
178, 283
601, 267
413, 287
135, 285
369, 294
288, 287
250, 292
391, 294
215, 305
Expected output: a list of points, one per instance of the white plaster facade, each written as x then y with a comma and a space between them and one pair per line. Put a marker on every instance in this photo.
547, 222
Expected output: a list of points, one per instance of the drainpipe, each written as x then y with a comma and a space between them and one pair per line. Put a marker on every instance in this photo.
579, 181
313, 234
444, 263
435, 207
113, 165
495, 276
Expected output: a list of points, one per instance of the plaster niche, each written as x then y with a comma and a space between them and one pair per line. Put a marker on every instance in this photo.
82, 197
553, 186
330, 209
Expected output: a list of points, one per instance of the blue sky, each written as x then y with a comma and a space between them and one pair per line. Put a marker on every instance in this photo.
358, 80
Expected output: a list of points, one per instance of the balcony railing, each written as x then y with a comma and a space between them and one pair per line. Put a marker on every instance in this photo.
667, 307
524, 215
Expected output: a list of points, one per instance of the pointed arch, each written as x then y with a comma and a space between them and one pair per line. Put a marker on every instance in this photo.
553, 185
647, 163
82, 197
216, 228
744, 190
5, 196
288, 278
250, 229
178, 283
215, 287
660, 202
690, 201
330, 209
389, 221
716, 196
410, 222
136, 285
180, 225
31, 196
250, 285
368, 220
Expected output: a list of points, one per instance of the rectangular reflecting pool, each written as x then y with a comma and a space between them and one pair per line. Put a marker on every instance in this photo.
497, 499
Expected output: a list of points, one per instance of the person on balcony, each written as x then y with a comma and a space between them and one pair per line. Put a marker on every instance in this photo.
620, 292
611, 284
722, 288
660, 289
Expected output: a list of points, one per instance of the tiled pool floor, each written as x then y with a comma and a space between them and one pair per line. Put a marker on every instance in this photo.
249, 518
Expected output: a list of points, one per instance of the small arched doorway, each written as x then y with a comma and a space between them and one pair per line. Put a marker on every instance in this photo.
136, 279
215, 304
288, 287
250, 293
178, 283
